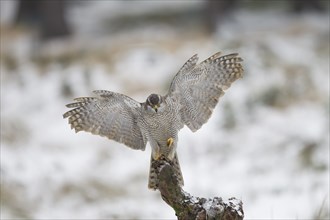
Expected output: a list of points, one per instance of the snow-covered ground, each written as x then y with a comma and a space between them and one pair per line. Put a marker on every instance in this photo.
266, 143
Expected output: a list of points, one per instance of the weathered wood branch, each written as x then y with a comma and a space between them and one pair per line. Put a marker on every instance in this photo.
188, 207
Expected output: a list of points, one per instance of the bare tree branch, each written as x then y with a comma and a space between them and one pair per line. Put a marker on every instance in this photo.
188, 207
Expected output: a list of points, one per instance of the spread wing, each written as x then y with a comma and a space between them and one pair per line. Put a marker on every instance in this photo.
198, 87
110, 114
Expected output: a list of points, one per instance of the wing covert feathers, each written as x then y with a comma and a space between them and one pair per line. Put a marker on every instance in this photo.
111, 115
198, 87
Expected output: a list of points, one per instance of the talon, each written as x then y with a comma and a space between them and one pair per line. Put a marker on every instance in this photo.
170, 142
157, 156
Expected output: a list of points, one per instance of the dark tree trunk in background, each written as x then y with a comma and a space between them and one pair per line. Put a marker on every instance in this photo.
217, 10
47, 15
307, 5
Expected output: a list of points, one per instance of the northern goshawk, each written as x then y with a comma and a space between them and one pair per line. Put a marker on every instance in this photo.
193, 94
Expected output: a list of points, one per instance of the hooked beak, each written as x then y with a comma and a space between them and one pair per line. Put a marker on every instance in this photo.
155, 107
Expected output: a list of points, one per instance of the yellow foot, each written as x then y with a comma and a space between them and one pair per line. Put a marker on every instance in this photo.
170, 142
157, 156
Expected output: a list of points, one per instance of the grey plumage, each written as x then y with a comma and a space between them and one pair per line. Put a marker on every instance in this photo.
111, 115
193, 94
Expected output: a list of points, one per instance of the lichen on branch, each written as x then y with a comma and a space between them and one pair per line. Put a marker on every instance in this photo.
188, 207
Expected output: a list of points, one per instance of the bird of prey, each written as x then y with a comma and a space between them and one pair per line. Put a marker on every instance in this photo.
193, 94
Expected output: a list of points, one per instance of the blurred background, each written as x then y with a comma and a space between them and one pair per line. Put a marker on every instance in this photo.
266, 143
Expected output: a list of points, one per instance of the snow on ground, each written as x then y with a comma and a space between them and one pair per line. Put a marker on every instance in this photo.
266, 143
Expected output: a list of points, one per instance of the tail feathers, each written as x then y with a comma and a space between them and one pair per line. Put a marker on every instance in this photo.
153, 175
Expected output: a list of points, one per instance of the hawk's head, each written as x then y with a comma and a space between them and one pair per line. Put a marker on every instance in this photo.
154, 101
